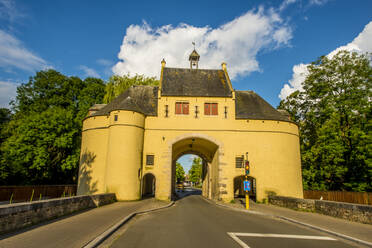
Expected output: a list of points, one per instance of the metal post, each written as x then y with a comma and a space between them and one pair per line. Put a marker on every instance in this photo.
246, 192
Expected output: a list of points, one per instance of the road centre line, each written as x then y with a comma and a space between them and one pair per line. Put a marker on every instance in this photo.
234, 236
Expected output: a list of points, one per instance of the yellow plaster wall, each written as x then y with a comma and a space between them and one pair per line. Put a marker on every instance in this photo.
124, 154
92, 168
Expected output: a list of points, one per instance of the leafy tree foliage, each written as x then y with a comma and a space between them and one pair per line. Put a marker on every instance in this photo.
180, 173
44, 135
195, 173
118, 84
334, 116
5, 116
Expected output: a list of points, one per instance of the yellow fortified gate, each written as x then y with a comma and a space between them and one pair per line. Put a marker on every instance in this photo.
130, 146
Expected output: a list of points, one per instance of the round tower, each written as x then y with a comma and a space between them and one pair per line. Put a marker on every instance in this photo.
124, 154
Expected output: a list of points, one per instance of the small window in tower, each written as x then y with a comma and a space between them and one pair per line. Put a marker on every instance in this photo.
210, 109
150, 159
166, 111
239, 162
115, 117
182, 108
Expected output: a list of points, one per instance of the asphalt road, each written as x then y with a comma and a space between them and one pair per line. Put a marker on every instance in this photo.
194, 222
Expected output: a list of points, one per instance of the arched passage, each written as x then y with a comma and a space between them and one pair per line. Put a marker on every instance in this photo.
239, 187
148, 185
208, 151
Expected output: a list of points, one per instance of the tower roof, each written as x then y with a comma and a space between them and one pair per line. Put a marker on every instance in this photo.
141, 98
194, 55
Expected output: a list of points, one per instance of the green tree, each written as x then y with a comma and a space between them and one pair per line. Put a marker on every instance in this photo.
118, 84
5, 116
195, 173
44, 135
334, 116
180, 173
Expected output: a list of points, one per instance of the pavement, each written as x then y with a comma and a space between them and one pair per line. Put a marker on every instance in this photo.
356, 231
196, 222
78, 229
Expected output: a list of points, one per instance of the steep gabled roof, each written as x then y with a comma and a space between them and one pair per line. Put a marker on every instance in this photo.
249, 105
141, 98
194, 82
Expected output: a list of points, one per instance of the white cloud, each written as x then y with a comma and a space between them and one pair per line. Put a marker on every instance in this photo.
362, 44
236, 43
285, 4
9, 11
299, 74
89, 72
8, 91
318, 2
104, 62
14, 54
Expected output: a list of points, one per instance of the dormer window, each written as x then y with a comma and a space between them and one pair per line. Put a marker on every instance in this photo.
182, 108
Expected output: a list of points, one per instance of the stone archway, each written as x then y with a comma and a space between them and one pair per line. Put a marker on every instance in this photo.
209, 151
148, 185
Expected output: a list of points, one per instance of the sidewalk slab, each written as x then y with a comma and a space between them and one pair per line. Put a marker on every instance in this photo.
333, 224
76, 230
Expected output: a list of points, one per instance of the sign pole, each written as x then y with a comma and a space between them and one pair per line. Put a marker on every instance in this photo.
246, 182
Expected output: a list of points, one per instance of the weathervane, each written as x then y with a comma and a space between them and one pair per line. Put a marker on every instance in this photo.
193, 44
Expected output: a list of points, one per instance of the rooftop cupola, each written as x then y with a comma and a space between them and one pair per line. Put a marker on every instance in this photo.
194, 59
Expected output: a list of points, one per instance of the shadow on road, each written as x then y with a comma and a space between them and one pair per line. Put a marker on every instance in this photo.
179, 194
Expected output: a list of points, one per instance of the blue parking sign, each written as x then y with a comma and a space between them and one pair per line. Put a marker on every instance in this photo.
247, 186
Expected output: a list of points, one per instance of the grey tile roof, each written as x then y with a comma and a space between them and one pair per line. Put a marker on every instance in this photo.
249, 105
194, 82
140, 98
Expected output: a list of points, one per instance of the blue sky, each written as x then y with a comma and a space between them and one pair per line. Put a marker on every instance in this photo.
261, 41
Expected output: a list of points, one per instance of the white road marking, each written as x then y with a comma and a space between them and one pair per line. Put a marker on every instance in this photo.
234, 236
239, 241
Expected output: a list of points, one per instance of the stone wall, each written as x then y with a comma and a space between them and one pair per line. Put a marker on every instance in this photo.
348, 211
293, 203
19, 215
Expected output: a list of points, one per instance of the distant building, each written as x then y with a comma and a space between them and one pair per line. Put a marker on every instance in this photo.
130, 146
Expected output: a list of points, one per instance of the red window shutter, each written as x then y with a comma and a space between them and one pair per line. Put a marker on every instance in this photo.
178, 108
185, 108
207, 109
214, 109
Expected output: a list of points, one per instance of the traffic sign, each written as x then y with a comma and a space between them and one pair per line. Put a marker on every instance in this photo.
247, 186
